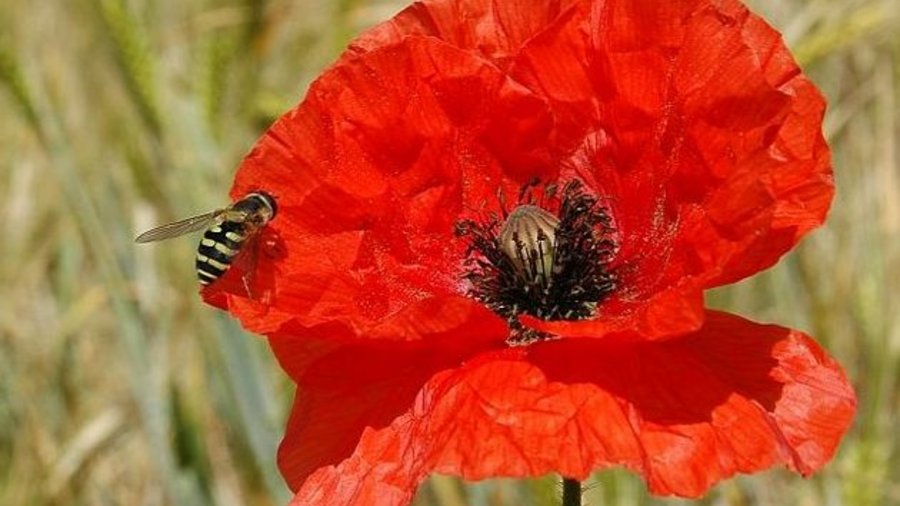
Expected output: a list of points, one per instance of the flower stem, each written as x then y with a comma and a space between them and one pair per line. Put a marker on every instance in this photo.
571, 492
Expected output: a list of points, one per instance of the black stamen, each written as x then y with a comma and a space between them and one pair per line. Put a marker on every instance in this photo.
556, 267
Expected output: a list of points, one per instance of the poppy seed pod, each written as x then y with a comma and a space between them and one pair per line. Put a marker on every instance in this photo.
528, 238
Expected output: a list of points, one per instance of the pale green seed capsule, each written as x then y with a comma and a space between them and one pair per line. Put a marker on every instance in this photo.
528, 237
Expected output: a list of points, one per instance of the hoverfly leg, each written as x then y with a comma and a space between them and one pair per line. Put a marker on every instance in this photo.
245, 279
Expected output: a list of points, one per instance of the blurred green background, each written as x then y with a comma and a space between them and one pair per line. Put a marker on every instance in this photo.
117, 386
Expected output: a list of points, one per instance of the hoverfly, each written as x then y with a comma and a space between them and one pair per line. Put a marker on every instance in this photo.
227, 231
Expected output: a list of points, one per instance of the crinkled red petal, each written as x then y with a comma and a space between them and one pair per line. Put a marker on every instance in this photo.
733, 397
710, 150
349, 384
664, 315
690, 116
371, 173
496, 31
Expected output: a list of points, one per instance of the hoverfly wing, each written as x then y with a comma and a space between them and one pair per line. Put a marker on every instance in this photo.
180, 227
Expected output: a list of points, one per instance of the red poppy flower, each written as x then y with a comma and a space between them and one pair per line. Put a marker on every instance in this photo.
495, 224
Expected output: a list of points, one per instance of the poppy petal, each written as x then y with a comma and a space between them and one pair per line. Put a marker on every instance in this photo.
495, 30
371, 173
709, 156
349, 384
733, 397
670, 313
707, 122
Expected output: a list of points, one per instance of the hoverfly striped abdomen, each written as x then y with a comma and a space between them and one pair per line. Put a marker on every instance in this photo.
220, 243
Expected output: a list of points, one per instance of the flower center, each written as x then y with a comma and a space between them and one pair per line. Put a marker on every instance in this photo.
551, 265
